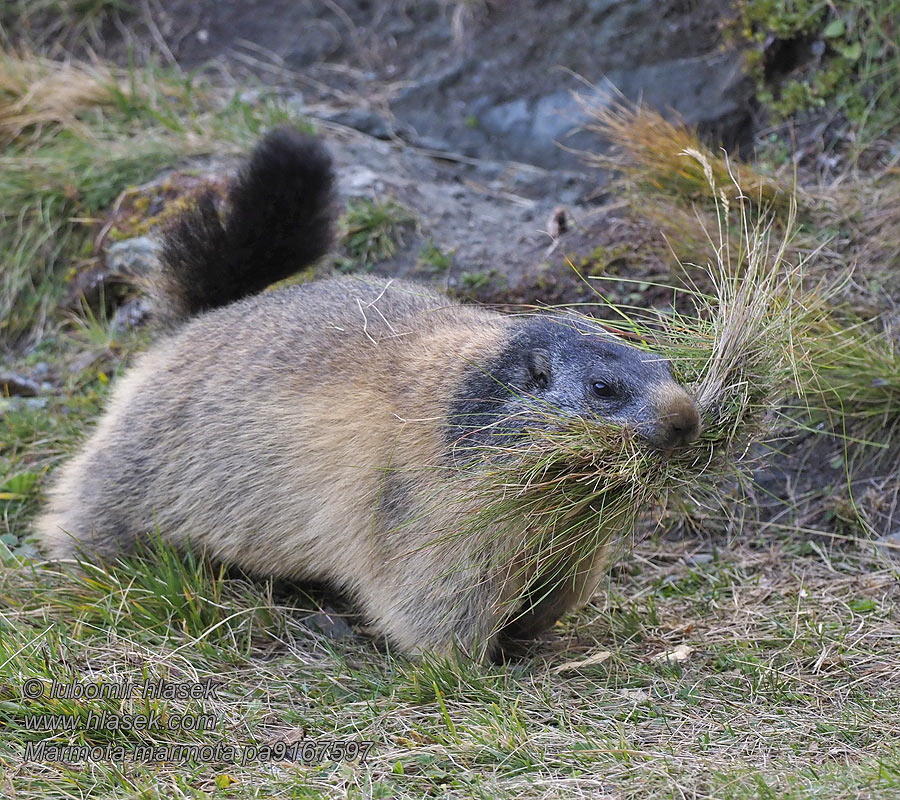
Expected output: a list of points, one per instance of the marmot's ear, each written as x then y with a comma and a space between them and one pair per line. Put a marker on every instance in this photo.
538, 363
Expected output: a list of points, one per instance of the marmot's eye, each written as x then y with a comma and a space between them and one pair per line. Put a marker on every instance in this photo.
602, 389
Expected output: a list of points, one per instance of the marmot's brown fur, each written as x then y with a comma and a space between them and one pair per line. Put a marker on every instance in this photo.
315, 432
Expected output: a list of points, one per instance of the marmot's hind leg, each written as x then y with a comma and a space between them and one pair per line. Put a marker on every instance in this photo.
86, 518
59, 539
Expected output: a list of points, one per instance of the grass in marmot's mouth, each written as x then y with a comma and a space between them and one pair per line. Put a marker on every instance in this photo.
772, 347
580, 484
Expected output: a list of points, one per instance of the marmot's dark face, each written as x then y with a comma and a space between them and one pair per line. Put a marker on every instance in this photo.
559, 366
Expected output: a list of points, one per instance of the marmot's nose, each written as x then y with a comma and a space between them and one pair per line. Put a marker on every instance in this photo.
679, 419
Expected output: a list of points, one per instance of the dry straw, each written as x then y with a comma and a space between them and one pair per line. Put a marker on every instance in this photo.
36, 91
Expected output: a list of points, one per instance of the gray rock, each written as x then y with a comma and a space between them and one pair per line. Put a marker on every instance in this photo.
496, 86
136, 257
40, 370
358, 181
510, 93
365, 121
697, 559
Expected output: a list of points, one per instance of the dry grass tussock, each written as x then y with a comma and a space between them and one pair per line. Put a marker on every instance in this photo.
36, 92
649, 151
846, 233
849, 224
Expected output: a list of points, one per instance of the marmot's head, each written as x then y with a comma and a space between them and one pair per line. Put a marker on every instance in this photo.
570, 367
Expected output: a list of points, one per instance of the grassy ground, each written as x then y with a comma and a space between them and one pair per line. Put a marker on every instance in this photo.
751, 656
834, 62
785, 685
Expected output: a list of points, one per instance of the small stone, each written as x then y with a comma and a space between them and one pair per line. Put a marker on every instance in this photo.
697, 559
889, 544
357, 181
131, 314
40, 370
330, 624
12, 383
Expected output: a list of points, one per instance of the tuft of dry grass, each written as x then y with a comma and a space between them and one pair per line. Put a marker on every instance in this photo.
649, 151
847, 234
852, 222
37, 92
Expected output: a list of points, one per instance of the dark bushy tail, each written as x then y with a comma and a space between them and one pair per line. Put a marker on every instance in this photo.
278, 220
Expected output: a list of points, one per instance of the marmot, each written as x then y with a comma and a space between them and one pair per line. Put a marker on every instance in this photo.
314, 432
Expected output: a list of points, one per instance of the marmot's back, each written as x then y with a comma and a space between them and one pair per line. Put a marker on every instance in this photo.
298, 398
